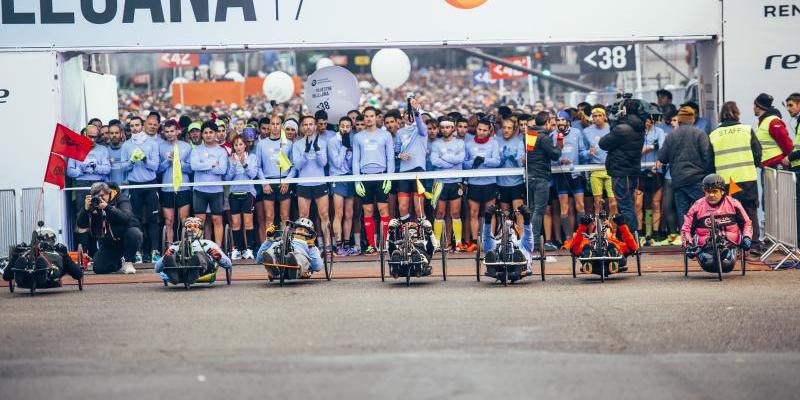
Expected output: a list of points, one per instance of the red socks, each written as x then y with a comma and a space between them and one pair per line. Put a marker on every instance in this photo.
385, 225
369, 229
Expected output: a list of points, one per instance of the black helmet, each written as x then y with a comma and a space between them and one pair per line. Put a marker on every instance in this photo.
713, 181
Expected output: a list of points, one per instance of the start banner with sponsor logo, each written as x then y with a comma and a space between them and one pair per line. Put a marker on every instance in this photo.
761, 51
163, 25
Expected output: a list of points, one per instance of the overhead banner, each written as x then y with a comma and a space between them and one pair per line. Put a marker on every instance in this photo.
163, 25
761, 53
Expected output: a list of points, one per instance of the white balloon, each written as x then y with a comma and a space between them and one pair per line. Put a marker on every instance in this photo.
391, 68
324, 62
278, 86
234, 76
334, 90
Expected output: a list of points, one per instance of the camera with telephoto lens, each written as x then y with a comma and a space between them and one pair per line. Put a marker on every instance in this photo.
94, 203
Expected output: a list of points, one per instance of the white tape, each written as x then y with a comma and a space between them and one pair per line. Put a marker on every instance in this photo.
397, 176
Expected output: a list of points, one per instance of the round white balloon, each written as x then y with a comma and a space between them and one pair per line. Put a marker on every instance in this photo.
278, 86
334, 90
234, 76
391, 68
324, 62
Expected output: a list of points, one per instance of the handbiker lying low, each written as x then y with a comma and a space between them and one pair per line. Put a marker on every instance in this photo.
584, 244
420, 234
303, 250
730, 219
54, 256
520, 249
193, 233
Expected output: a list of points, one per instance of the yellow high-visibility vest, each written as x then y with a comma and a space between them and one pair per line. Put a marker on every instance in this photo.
796, 163
733, 157
769, 148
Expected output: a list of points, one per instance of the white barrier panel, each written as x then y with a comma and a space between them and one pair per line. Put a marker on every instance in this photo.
780, 210
160, 25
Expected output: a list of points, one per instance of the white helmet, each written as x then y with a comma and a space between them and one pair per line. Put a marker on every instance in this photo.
47, 235
305, 223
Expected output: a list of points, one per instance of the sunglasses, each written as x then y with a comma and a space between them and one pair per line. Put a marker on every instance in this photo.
713, 191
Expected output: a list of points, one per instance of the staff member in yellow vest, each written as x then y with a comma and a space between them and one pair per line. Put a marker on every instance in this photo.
737, 153
793, 106
772, 134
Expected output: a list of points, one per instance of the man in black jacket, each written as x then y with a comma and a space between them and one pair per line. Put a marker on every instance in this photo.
624, 161
540, 153
687, 150
108, 216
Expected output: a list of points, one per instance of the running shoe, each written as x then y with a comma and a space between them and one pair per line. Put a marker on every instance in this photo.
353, 251
248, 254
155, 256
128, 269
459, 248
138, 258
235, 255
342, 251
370, 251
669, 239
472, 247
549, 246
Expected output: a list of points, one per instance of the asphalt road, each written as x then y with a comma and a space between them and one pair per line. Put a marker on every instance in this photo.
658, 336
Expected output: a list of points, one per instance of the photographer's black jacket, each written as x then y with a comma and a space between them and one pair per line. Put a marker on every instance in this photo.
118, 215
624, 146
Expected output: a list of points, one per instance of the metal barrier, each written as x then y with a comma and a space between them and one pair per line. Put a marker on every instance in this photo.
780, 211
30, 199
8, 214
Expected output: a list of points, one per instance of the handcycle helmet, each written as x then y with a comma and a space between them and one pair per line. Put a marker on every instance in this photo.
46, 235
304, 223
713, 181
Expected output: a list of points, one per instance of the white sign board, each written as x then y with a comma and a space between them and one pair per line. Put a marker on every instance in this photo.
163, 25
761, 53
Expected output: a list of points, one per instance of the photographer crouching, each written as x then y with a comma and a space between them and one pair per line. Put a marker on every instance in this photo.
108, 216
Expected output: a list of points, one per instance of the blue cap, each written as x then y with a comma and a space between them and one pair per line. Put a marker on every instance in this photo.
565, 115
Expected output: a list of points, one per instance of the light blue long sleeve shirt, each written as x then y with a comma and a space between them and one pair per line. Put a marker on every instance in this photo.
311, 164
373, 152
651, 137
412, 139
512, 152
143, 170
267, 155
340, 158
573, 146
166, 150
202, 161
239, 172
491, 159
300, 246
117, 174
591, 137
95, 167
448, 155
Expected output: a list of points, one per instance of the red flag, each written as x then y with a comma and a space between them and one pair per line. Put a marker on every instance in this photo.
56, 167
70, 144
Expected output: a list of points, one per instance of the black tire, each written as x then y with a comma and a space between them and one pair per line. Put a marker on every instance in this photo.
442, 243
685, 264
329, 263
574, 274
10, 284
744, 262
478, 259
638, 256
408, 276
33, 285
186, 284
718, 257
282, 278
505, 275
228, 275
542, 256
166, 284
602, 271
164, 238
383, 258
227, 240
80, 284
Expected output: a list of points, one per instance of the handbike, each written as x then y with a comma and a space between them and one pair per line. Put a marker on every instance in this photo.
718, 241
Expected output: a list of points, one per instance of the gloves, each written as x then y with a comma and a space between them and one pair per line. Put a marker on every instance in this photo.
394, 223
618, 219
308, 146
692, 251
360, 189
746, 243
526, 214
586, 219
168, 252
60, 248
137, 155
387, 187
477, 162
270, 231
489, 213
346, 141
316, 143
215, 254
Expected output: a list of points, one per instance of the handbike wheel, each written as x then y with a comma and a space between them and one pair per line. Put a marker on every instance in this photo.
718, 257
542, 256
228, 275
11, 284
408, 276
186, 284
685, 264
80, 284
574, 275
164, 238
478, 260
744, 262
383, 260
602, 271
33, 285
505, 276
638, 256
166, 284
442, 244
282, 278
329, 263
227, 240
80, 258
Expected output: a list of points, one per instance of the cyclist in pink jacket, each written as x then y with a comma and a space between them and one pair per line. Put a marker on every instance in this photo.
731, 220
